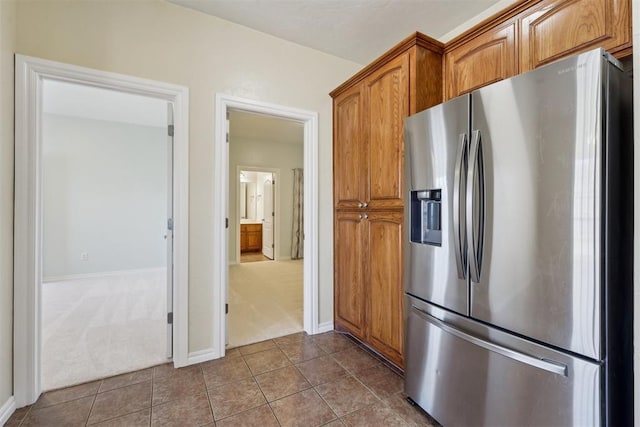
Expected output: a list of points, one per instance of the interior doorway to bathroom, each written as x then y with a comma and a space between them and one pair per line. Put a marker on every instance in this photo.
257, 214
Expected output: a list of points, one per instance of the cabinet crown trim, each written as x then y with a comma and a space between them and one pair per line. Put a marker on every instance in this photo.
415, 39
493, 21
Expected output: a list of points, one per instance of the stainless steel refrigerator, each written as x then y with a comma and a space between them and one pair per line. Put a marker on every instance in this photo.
518, 254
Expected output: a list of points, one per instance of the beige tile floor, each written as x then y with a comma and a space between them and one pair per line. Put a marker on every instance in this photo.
297, 380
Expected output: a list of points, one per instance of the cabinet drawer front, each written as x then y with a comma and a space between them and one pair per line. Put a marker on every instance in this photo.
251, 227
559, 28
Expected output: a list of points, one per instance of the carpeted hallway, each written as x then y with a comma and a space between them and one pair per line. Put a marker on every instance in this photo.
97, 327
265, 301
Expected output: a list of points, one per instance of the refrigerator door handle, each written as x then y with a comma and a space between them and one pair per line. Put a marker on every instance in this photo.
458, 227
541, 363
475, 214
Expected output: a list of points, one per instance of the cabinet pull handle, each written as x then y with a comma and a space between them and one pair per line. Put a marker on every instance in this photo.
364, 216
360, 205
365, 204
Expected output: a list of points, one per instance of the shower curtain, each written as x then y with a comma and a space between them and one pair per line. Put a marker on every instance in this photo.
297, 234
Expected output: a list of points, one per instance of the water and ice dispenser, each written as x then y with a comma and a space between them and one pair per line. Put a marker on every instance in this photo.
426, 217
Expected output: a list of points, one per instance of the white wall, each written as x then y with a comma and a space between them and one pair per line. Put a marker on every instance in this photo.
7, 47
162, 41
104, 194
266, 154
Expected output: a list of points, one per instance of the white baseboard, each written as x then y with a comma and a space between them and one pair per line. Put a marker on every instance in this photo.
7, 410
325, 327
47, 279
201, 356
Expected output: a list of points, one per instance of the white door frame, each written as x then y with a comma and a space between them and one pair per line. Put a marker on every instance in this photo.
275, 172
221, 199
29, 75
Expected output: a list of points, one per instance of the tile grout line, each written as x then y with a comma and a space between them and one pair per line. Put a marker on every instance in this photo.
93, 402
206, 389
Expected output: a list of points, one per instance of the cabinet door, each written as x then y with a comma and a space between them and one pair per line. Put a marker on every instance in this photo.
244, 243
349, 271
254, 240
386, 332
387, 106
558, 28
488, 58
349, 149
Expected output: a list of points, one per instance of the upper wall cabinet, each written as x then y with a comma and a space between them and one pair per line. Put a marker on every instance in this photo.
487, 58
368, 117
532, 33
349, 156
387, 97
554, 29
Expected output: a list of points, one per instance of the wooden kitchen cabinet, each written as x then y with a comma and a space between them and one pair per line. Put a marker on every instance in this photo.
386, 106
350, 265
554, 29
350, 151
368, 139
368, 115
485, 59
532, 33
368, 300
384, 274
368, 151
250, 237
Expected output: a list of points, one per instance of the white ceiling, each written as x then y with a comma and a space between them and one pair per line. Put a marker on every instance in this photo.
257, 127
357, 30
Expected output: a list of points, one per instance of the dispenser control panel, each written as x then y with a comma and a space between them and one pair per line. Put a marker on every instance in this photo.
426, 217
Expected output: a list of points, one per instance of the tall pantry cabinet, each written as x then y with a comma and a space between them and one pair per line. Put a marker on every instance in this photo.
368, 150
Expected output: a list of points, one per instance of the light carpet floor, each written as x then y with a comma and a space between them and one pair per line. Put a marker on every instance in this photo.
265, 301
99, 327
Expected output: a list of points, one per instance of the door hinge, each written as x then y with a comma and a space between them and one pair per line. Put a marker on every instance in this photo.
226, 309
170, 318
170, 224
273, 214
227, 136
273, 246
226, 223
170, 130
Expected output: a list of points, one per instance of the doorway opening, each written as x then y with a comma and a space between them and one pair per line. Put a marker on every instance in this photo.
265, 288
34, 178
258, 216
106, 197
224, 211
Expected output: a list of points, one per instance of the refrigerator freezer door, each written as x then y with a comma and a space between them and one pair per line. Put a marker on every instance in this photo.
436, 147
541, 144
462, 378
